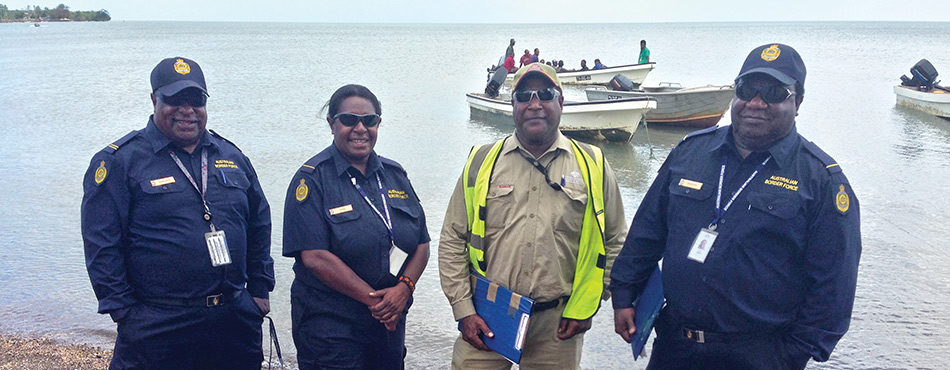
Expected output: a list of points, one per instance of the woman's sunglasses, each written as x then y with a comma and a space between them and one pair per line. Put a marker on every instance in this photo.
769, 94
545, 95
351, 120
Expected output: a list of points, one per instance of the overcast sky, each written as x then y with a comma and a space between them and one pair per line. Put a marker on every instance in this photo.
511, 11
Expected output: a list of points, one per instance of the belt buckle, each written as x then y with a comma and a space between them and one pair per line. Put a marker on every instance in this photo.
213, 300
697, 335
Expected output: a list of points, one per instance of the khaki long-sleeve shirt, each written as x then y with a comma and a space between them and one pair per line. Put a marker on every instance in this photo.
532, 231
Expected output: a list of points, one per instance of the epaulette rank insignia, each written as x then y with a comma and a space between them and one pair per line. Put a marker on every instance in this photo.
111, 148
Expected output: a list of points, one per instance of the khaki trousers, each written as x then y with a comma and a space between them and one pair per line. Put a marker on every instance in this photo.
542, 349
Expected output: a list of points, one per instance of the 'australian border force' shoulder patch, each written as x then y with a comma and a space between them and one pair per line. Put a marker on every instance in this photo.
101, 173
302, 191
842, 201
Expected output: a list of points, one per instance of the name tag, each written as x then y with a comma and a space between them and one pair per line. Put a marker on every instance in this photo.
695, 185
163, 181
339, 210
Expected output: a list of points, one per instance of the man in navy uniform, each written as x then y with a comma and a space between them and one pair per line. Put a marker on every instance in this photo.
177, 236
759, 232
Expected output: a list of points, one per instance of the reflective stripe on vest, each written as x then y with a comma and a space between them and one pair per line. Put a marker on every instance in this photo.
588, 285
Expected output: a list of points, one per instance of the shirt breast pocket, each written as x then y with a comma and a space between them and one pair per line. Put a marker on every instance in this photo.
499, 204
163, 197
570, 215
234, 184
689, 198
783, 207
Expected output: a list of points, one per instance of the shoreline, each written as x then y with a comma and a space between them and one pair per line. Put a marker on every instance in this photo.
22, 352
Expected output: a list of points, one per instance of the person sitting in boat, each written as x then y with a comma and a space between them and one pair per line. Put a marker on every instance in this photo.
560, 66
510, 64
584, 66
525, 59
598, 65
536, 57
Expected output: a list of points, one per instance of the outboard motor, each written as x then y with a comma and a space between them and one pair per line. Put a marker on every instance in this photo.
923, 76
621, 83
495, 82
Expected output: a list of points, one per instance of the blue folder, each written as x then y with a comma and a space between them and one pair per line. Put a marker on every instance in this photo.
507, 314
647, 308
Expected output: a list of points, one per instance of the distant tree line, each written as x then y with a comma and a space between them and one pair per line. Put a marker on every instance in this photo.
59, 13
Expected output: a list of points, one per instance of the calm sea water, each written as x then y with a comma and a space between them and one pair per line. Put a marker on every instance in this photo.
67, 90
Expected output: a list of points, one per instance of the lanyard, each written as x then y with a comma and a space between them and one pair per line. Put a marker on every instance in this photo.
204, 180
382, 194
722, 173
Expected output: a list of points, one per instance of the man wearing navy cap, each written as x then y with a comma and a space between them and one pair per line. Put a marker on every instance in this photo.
176, 232
759, 233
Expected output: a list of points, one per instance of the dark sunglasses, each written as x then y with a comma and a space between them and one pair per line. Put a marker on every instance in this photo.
194, 98
769, 94
544, 95
351, 120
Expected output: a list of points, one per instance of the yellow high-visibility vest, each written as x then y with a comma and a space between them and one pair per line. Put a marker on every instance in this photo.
588, 285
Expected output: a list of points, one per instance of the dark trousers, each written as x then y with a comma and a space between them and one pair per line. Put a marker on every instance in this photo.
155, 336
318, 349
672, 350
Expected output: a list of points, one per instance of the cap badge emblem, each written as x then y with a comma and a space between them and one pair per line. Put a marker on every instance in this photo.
183, 68
771, 53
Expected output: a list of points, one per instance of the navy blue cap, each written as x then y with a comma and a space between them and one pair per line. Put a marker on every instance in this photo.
172, 75
777, 60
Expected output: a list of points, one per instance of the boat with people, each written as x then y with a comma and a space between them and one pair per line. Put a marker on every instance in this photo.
695, 107
635, 72
613, 120
921, 91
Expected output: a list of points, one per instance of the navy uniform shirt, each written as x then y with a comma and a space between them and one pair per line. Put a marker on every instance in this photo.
324, 211
786, 256
143, 226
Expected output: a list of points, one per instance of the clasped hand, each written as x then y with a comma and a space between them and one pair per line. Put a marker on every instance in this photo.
392, 301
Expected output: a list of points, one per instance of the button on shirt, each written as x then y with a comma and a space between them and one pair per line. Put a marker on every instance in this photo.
532, 231
333, 216
144, 230
785, 259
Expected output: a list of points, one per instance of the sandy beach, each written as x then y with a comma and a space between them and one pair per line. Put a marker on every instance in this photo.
42, 354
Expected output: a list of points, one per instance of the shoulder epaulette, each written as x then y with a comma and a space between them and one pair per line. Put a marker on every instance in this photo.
387, 161
825, 159
217, 135
313, 162
700, 132
118, 143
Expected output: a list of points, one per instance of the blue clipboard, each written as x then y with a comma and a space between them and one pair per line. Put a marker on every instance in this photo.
507, 314
647, 309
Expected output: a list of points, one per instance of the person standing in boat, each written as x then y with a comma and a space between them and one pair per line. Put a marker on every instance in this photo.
511, 49
553, 223
644, 53
759, 232
357, 233
177, 236
536, 57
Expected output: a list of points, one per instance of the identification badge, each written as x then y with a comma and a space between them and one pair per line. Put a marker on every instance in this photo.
218, 248
397, 257
702, 245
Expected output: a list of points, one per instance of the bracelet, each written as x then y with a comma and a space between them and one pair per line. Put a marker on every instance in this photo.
406, 280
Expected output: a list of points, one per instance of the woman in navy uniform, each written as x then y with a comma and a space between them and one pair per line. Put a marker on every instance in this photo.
358, 235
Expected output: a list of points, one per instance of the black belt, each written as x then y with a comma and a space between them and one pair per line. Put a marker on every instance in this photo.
541, 306
700, 336
209, 301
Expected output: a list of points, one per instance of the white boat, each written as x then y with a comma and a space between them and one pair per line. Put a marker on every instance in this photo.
635, 72
614, 121
697, 107
935, 101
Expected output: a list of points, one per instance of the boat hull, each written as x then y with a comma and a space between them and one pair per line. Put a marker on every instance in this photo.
936, 102
614, 121
696, 107
635, 72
